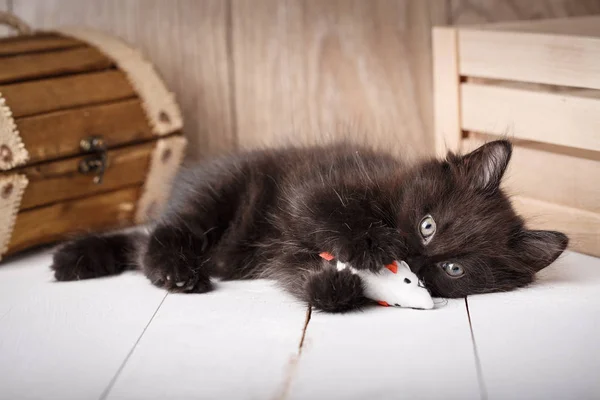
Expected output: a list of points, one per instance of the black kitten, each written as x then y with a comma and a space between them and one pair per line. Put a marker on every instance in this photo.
268, 214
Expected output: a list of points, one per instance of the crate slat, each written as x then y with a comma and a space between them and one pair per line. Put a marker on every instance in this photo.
46, 95
551, 59
588, 26
60, 180
543, 173
57, 134
95, 213
446, 81
555, 118
38, 43
55, 63
582, 227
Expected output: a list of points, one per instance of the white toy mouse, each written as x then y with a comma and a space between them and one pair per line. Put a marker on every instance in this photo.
395, 285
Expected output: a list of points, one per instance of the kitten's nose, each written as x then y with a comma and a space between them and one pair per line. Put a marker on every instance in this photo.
415, 264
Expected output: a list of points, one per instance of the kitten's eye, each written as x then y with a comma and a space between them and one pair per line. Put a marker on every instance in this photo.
427, 228
452, 268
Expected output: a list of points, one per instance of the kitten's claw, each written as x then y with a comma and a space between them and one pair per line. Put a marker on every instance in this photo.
177, 277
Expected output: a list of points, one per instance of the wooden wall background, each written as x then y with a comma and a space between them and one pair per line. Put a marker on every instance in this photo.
254, 72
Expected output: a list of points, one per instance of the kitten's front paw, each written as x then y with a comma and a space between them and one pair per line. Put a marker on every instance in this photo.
177, 277
372, 250
174, 271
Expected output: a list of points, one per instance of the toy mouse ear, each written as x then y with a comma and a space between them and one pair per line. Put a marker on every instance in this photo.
403, 265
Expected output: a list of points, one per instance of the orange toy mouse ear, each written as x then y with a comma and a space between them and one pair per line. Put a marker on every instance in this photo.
392, 267
327, 256
383, 303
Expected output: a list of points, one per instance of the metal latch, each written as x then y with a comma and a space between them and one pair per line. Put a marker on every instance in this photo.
96, 163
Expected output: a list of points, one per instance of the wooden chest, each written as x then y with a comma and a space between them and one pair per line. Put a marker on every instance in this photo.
538, 83
90, 137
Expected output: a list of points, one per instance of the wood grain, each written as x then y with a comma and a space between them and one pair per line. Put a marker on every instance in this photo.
394, 365
31, 98
49, 64
51, 223
42, 42
574, 26
540, 116
447, 101
255, 318
582, 227
61, 180
550, 173
58, 134
312, 71
551, 59
184, 39
481, 11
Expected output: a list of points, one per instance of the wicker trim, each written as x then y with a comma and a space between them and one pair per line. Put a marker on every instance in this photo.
12, 188
166, 158
159, 104
12, 149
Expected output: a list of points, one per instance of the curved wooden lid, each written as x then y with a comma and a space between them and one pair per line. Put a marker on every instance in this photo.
158, 102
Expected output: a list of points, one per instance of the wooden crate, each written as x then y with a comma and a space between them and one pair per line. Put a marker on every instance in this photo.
90, 137
537, 83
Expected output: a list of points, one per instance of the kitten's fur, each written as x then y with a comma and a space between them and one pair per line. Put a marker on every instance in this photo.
268, 214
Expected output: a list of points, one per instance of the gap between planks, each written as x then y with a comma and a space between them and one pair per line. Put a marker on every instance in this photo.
480, 380
294, 360
112, 382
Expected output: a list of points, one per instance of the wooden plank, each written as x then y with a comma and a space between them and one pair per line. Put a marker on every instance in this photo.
542, 342
388, 353
49, 64
54, 334
61, 180
574, 26
556, 118
31, 44
538, 58
186, 40
315, 71
58, 134
30, 98
555, 175
238, 342
446, 79
55, 222
582, 227
485, 11
15, 269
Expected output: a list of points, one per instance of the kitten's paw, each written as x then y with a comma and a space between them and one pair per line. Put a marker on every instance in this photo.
91, 257
372, 250
178, 271
176, 276
335, 291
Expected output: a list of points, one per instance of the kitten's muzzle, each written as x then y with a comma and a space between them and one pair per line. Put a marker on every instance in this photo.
415, 264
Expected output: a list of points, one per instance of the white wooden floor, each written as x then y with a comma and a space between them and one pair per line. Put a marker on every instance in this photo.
121, 338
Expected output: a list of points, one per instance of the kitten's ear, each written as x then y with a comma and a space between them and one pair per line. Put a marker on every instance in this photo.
540, 248
485, 165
